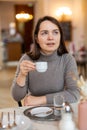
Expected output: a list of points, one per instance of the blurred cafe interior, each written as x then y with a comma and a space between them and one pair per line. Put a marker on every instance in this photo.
16, 34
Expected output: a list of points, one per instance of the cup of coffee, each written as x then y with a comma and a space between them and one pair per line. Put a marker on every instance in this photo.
41, 66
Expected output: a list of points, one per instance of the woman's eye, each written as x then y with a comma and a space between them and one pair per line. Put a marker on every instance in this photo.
44, 33
55, 32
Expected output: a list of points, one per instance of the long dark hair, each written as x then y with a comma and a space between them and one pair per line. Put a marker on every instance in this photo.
35, 53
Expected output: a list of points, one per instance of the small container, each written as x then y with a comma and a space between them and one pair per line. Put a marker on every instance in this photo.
82, 115
67, 123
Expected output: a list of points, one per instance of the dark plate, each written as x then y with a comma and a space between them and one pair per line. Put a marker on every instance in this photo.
50, 117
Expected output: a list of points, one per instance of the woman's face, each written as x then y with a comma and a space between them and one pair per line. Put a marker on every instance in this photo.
48, 37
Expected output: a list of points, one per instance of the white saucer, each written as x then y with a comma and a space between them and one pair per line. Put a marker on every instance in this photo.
41, 111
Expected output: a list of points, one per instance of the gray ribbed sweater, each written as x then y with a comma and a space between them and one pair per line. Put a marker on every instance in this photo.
57, 79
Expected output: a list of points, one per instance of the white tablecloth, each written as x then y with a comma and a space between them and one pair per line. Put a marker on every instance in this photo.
39, 125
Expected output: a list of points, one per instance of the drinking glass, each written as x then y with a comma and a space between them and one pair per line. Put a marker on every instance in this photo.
58, 101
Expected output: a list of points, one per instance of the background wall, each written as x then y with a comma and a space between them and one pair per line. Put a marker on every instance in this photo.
85, 20
49, 7
6, 14
78, 19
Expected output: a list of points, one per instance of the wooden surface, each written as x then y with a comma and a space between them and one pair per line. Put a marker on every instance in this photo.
14, 51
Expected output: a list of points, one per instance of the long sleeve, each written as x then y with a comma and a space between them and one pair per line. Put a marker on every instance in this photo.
70, 91
18, 92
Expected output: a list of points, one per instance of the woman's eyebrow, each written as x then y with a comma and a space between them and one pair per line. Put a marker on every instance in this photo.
48, 30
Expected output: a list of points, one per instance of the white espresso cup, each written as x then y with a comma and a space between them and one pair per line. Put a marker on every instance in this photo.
41, 66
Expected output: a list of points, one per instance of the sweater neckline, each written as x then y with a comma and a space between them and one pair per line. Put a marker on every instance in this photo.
49, 57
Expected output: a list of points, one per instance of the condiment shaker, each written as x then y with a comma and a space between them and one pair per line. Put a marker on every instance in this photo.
67, 123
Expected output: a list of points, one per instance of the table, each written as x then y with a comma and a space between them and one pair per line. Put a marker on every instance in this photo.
40, 125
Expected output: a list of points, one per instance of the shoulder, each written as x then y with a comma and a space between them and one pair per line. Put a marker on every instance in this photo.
69, 59
25, 57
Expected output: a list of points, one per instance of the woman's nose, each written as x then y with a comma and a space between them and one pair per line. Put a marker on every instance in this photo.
50, 36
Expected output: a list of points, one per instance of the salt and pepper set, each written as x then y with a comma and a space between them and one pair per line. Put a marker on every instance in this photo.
66, 122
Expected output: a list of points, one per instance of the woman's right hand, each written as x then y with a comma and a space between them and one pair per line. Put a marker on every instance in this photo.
26, 66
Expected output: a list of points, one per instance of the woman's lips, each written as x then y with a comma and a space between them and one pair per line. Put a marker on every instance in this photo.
50, 44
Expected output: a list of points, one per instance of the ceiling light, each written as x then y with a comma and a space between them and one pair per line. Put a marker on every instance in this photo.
24, 17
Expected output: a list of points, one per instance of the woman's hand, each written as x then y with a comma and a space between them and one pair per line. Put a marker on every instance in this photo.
25, 67
34, 100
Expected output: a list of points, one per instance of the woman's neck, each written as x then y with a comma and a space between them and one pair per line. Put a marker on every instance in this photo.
45, 53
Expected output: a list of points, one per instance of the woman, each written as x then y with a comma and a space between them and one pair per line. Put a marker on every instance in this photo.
48, 46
